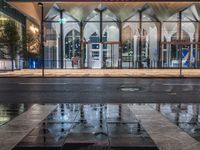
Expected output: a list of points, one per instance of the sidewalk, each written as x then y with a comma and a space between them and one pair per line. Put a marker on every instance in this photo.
14, 131
166, 135
102, 73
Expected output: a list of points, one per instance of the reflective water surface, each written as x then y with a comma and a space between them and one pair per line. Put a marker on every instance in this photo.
96, 126
10, 111
99, 126
185, 116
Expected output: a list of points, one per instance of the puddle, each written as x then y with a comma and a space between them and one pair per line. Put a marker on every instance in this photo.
10, 111
99, 126
95, 126
185, 116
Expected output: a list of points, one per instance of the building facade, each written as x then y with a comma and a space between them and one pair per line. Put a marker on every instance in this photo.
121, 34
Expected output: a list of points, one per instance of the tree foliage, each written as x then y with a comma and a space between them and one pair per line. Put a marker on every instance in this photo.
10, 38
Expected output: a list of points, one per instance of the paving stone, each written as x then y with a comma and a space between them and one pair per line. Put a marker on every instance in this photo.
14, 131
166, 135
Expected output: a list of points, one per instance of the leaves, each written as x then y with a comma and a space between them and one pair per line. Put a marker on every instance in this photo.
10, 37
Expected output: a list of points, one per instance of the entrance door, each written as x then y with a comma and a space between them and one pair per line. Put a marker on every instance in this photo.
111, 55
165, 58
102, 55
95, 55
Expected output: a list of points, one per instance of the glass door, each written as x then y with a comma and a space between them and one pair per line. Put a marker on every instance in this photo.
110, 55
101, 55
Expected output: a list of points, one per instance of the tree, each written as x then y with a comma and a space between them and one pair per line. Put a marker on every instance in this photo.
10, 38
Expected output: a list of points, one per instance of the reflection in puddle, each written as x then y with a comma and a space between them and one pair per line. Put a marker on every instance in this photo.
185, 116
100, 126
10, 111
78, 126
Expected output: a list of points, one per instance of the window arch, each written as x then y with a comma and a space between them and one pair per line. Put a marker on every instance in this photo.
72, 44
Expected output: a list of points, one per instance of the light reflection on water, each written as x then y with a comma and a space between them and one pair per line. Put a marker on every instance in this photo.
185, 116
101, 125
10, 111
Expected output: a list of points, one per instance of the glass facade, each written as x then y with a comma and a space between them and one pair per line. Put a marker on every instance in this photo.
103, 40
116, 35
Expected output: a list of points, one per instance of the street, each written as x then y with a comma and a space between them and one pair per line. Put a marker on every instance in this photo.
99, 90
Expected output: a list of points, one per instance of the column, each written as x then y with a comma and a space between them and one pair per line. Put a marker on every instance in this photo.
81, 46
179, 36
101, 39
140, 40
135, 51
197, 45
61, 38
191, 52
180, 45
42, 36
57, 51
159, 46
120, 45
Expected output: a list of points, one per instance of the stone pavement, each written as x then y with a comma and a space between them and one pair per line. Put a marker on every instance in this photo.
102, 73
129, 125
15, 130
166, 135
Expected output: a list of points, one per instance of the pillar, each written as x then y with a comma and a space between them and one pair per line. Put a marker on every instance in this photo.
120, 45
179, 39
42, 36
159, 46
81, 46
140, 39
101, 39
61, 38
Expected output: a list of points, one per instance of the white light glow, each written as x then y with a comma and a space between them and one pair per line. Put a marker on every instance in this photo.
34, 29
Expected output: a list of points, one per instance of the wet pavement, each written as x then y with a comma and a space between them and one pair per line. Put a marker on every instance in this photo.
12, 132
185, 116
10, 111
76, 126
105, 126
165, 134
99, 90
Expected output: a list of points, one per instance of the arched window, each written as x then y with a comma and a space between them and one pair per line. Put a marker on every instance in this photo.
72, 44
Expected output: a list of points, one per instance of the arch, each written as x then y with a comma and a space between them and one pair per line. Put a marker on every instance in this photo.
169, 29
72, 44
89, 29
189, 28
68, 27
112, 31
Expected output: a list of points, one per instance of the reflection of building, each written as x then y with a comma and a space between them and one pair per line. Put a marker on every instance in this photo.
119, 34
